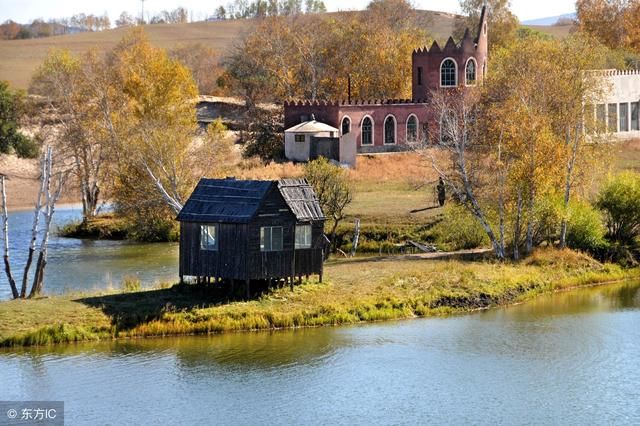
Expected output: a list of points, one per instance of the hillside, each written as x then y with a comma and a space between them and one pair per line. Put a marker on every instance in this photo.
550, 20
20, 58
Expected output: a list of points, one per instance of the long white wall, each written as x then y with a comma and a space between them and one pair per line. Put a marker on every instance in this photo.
621, 103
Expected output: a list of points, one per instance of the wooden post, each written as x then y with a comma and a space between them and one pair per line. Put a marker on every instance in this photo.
321, 268
248, 286
356, 238
181, 280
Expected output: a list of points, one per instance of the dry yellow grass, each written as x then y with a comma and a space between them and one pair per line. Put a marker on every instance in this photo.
20, 58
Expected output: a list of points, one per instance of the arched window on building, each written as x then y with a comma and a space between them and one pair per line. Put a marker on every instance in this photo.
389, 130
367, 131
448, 73
346, 125
412, 128
470, 74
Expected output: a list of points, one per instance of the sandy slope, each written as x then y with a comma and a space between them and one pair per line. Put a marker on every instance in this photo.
23, 182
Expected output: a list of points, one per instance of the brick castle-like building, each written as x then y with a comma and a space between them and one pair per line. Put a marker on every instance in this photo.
387, 125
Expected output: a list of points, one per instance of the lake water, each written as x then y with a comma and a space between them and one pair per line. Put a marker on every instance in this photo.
85, 265
571, 358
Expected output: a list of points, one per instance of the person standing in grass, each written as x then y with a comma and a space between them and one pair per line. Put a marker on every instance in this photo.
441, 192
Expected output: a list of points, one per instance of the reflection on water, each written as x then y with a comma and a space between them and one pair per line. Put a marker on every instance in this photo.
85, 265
569, 358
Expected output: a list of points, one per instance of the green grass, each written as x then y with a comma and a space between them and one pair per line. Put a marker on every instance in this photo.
393, 202
355, 291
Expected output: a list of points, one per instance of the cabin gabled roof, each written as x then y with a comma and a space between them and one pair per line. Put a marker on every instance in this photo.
301, 199
238, 201
224, 200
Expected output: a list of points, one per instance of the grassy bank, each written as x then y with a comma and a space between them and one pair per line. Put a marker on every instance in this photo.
356, 291
103, 227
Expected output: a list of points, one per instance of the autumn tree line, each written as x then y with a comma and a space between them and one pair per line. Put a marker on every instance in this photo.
81, 22
10, 30
315, 56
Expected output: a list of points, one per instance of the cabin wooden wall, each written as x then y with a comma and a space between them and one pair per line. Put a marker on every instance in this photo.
229, 261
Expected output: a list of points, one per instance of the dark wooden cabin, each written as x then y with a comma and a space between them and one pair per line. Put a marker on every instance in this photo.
243, 230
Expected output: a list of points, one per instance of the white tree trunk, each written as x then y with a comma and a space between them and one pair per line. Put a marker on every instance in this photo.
5, 217
36, 220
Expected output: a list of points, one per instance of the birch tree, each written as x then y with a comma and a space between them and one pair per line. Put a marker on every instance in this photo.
52, 183
76, 92
55, 181
5, 232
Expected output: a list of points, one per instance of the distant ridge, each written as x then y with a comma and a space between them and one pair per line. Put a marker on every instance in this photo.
551, 20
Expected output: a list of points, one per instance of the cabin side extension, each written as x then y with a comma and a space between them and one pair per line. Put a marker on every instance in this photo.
248, 230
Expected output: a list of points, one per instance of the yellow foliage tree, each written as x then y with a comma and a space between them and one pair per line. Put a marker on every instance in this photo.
534, 110
134, 108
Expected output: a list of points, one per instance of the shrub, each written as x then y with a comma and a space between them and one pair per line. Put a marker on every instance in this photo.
26, 147
547, 218
265, 139
459, 230
585, 230
12, 107
131, 284
619, 199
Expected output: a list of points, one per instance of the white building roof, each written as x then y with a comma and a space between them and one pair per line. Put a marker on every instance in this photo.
312, 126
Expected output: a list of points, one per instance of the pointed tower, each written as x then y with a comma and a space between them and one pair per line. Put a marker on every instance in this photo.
459, 64
482, 44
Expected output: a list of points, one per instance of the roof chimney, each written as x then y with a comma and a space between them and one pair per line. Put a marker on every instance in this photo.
313, 117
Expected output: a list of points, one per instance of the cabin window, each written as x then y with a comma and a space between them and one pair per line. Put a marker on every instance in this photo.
613, 118
448, 73
635, 116
367, 131
624, 117
209, 237
299, 138
303, 236
346, 125
390, 130
419, 76
271, 238
471, 72
412, 128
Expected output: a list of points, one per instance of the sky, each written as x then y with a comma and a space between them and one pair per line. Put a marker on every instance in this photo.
24, 11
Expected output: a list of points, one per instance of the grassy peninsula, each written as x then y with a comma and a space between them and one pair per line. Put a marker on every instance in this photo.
358, 290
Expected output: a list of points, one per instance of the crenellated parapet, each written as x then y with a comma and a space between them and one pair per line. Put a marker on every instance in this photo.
614, 72
336, 103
